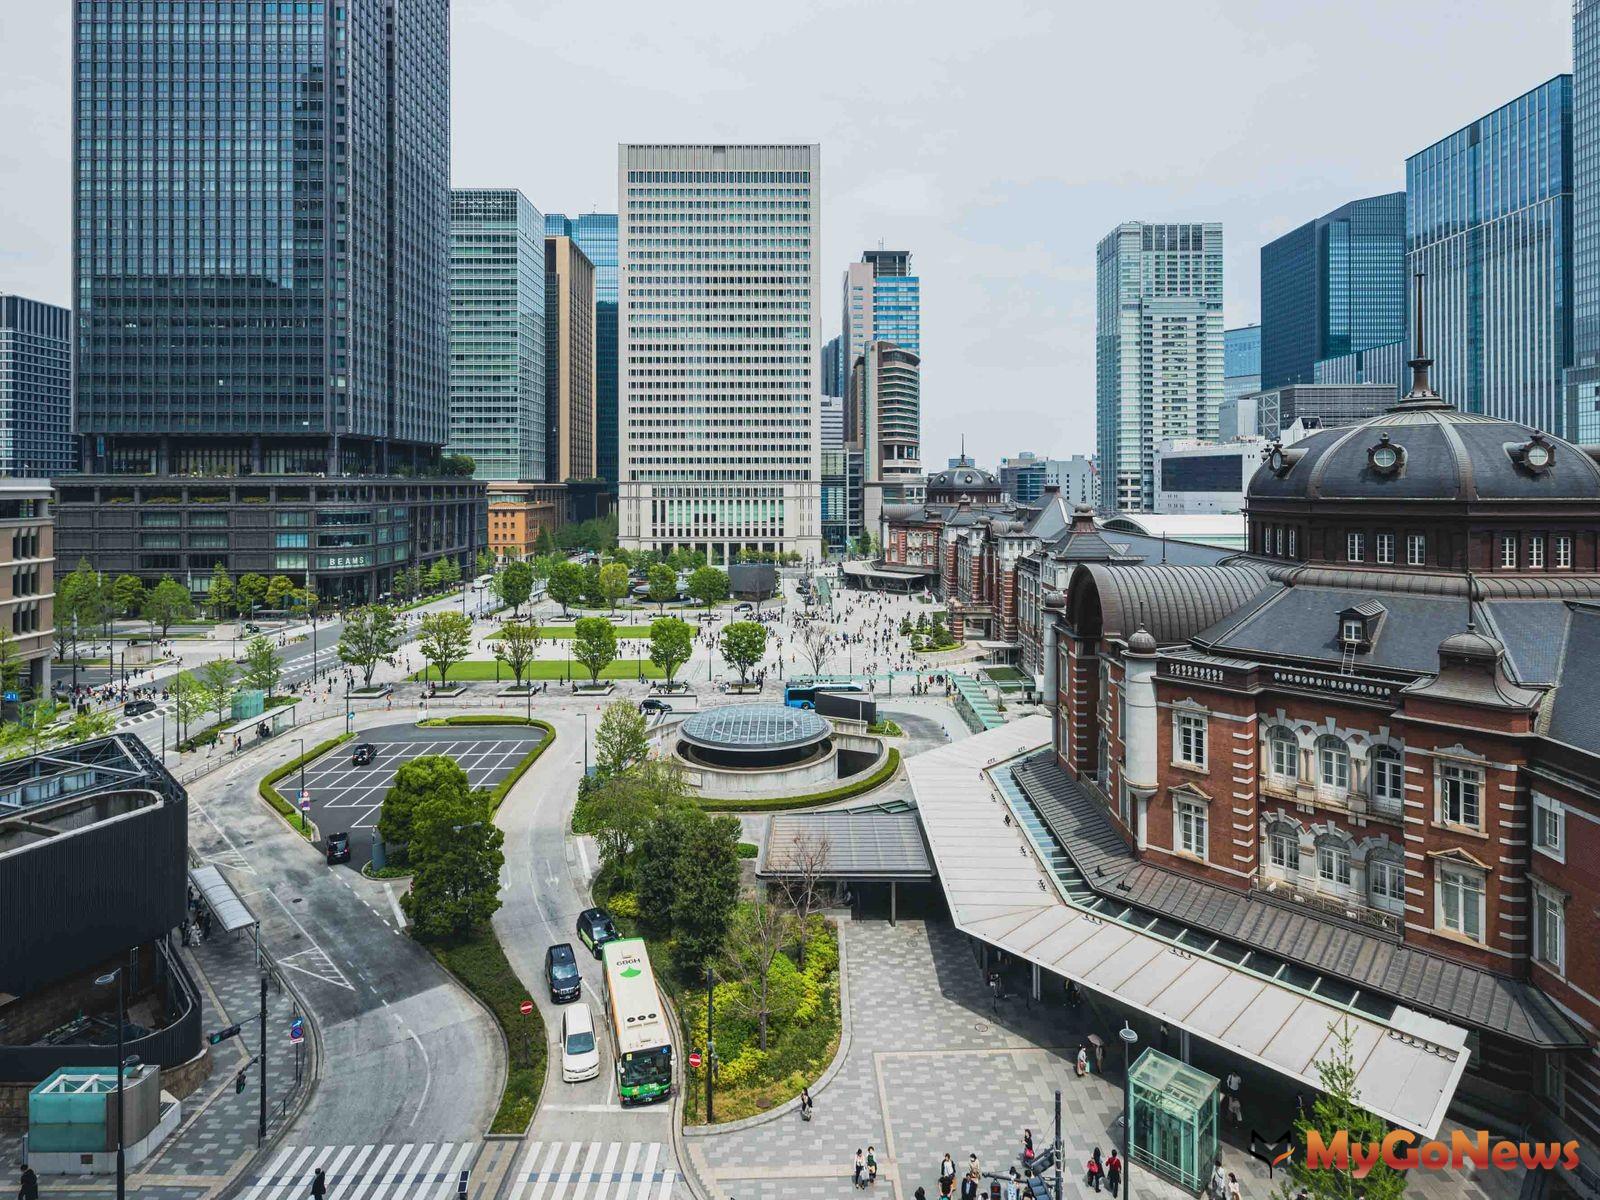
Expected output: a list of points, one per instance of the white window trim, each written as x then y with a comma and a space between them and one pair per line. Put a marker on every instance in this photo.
1375, 760
1196, 811
1282, 832
1385, 548
1338, 852
1466, 770
1179, 719
1353, 547
1377, 865
1333, 789
1353, 629
1416, 549
1508, 551
1545, 897
1536, 553
1564, 552
1279, 736
1541, 802
1444, 871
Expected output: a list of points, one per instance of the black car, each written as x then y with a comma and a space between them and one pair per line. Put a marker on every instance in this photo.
135, 707
338, 848
251, 627
364, 753
561, 973
596, 928
652, 705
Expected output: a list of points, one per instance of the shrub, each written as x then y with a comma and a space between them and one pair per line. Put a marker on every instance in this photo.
623, 904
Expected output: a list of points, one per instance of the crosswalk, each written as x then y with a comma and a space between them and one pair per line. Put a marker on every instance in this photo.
595, 1171
413, 1171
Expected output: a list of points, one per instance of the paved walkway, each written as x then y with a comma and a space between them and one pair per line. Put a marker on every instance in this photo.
932, 1068
217, 1139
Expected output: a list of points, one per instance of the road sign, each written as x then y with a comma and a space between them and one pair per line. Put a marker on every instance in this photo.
223, 1035
526, 1007
297, 1032
694, 1058
305, 801
12, 697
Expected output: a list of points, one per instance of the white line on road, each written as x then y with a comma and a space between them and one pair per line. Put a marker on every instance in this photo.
627, 1171
427, 1066
372, 1176
566, 1171
647, 1169
588, 1171
524, 1171
543, 1181
399, 915
255, 1192
605, 1172
456, 1168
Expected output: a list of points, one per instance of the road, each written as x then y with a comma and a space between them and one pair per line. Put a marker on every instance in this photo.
408, 1056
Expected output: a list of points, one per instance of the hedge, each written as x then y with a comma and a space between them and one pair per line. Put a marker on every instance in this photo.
275, 798
745, 804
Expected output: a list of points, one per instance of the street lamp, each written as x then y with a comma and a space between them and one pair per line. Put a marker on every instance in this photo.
585, 716
1129, 1036
122, 1109
301, 742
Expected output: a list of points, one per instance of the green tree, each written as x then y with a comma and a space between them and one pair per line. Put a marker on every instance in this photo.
591, 585
280, 591
545, 543
220, 595
743, 643
663, 581
660, 841
370, 636
708, 585
249, 593
218, 688
1338, 1107
82, 603
613, 583
263, 667
516, 646
444, 574
622, 809
167, 603
416, 780
755, 943
128, 594
706, 888
87, 725
37, 725
405, 583
188, 701
457, 466
565, 585
444, 639
10, 662
486, 561
594, 644
514, 584
671, 644
621, 741
456, 857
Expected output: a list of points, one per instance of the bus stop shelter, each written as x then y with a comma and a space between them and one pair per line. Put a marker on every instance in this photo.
230, 912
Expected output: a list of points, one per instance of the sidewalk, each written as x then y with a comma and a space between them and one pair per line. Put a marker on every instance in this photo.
217, 1139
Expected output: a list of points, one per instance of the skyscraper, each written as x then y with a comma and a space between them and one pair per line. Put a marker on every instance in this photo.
1489, 227
261, 275
833, 367
497, 335
35, 388
886, 390
596, 235
1333, 286
1241, 361
1583, 379
1158, 350
569, 360
882, 302
719, 348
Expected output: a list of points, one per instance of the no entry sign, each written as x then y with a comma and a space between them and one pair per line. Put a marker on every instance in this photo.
527, 1008
694, 1058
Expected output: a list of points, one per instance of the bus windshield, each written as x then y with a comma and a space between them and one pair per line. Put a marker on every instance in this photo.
643, 1068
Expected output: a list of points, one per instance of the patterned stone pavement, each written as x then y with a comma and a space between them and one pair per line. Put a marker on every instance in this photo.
933, 1066
217, 1139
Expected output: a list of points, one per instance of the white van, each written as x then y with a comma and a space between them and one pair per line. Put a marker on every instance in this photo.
580, 1056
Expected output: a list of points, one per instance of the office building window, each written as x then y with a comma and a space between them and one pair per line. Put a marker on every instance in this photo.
1508, 551
1536, 553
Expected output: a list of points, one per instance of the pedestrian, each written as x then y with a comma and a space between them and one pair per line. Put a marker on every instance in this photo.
872, 1165
805, 1104
319, 1185
30, 1184
1099, 1058
974, 1178
860, 1169
1114, 1173
1027, 1148
1094, 1170
1218, 1187
920, 1194
1233, 1187
1083, 1062
1013, 1188
947, 1176
1235, 1110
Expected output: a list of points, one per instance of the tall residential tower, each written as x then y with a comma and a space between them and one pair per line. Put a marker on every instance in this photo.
719, 348
1158, 350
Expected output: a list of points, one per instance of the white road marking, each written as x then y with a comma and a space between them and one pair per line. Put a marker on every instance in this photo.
277, 1164
372, 1176
587, 1172
604, 1188
566, 1171
399, 914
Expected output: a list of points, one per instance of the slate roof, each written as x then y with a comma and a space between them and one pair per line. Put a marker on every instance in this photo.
1364, 959
1573, 713
1173, 602
866, 844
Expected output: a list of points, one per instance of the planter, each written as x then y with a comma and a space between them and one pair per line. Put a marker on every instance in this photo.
445, 693
376, 692
515, 690
593, 689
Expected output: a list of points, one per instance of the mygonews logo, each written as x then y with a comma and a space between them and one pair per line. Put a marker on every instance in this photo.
1402, 1150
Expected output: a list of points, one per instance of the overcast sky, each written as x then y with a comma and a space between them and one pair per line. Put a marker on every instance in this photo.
998, 141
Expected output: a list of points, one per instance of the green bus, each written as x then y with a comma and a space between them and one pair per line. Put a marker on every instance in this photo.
640, 1035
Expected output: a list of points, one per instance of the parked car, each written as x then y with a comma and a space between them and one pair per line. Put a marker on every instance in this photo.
652, 705
134, 708
561, 973
596, 928
580, 1057
363, 754
338, 848
251, 627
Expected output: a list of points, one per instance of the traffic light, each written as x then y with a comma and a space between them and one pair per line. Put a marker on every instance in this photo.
239, 1081
223, 1035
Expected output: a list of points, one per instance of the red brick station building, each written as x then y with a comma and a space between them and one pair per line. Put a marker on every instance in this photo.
1363, 757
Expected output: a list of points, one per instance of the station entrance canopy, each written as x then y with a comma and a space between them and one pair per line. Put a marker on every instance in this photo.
999, 891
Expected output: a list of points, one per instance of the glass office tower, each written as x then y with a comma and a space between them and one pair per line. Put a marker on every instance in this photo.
1489, 228
261, 272
1583, 379
35, 388
1333, 286
497, 333
596, 235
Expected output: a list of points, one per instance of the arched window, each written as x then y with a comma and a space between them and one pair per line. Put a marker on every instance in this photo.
1283, 847
1388, 781
1333, 764
1333, 861
1283, 754
1386, 879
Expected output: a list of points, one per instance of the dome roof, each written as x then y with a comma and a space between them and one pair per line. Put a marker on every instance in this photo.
754, 727
963, 479
1427, 450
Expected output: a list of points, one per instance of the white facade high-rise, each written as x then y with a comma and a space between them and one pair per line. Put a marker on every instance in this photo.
719, 340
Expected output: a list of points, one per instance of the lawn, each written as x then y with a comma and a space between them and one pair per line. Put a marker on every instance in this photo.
481, 965
478, 671
565, 632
